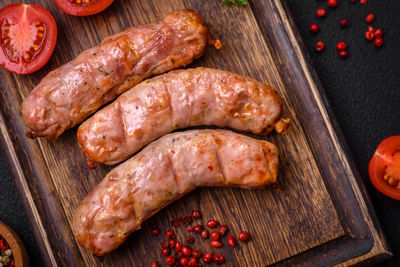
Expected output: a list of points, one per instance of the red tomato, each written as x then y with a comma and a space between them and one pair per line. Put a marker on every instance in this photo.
384, 167
83, 7
28, 37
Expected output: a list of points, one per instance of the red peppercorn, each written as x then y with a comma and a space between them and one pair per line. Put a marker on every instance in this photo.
204, 234
198, 228
341, 46
165, 251
332, 3
370, 18
183, 261
369, 35
222, 229
363, 1
186, 250
214, 235
207, 257
185, 220
170, 234
12, 262
189, 229
314, 27
196, 253
155, 231
189, 239
231, 241
371, 28
192, 262
344, 22
178, 246
378, 42
216, 244
165, 244
195, 214
212, 223
218, 258
319, 46
245, 236
175, 223
170, 260
378, 32
321, 13
172, 243
343, 54
3, 244
154, 264
179, 254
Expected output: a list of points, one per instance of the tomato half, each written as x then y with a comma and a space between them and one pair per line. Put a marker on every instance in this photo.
384, 167
83, 7
28, 37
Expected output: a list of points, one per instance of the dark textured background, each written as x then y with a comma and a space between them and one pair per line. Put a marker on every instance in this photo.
364, 91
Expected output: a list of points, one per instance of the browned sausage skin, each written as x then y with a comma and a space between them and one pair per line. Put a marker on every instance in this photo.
67, 95
178, 99
163, 172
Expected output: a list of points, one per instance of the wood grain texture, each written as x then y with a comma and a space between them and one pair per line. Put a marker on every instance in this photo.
320, 217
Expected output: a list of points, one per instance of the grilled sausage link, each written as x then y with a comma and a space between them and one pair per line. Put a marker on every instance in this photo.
178, 99
69, 94
165, 171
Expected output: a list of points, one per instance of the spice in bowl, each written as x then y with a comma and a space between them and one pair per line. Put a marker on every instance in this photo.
6, 255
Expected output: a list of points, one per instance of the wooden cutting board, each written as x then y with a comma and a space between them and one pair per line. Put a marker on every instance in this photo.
322, 216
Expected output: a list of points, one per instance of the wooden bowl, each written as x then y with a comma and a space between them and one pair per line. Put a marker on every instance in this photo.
18, 249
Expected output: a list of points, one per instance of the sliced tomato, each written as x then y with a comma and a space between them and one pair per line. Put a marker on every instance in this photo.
384, 167
83, 7
28, 37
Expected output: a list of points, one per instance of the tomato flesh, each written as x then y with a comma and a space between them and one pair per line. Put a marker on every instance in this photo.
83, 7
384, 167
28, 37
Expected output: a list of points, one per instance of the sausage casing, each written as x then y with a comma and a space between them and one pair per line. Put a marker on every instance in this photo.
178, 99
69, 94
163, 172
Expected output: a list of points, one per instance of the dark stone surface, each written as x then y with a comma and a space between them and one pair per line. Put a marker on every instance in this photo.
363, 91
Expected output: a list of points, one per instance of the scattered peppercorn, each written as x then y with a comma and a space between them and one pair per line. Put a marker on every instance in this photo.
332, 3
363, 1
204, 234
244, 236
378, 32
172, 243
314, 27
215, 244
189, 239
154, 264
186, 250
170, 234
189, 229
319, 46
214, 235
222, 229
170, 260
378, 42
343, 54
165, 244
178, 246
155, 231
207, 257
196, 253
341, 46
175, 223
212, 223
344, 23
321, 13
195, 214
165, 251
218, 258
192, 262
198, 228
369, 35
185, 220
231, 241
183, 261
370, 18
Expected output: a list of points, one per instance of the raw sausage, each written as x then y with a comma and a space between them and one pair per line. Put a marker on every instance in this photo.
163, 172
69, 94
178, 99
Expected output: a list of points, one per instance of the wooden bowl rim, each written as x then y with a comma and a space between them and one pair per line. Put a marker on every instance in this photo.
16, 245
